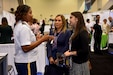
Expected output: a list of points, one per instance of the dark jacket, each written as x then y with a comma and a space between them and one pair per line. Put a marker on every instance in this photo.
98, 30
6, 33
62, 44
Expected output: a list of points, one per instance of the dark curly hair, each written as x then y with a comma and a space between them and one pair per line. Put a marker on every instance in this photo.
21, 11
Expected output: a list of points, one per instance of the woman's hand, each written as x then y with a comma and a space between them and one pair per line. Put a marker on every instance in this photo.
51, 37
56, 61
45, 37
67, 53
51, 60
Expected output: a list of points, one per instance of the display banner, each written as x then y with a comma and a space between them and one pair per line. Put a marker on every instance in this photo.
1, 6
87, 5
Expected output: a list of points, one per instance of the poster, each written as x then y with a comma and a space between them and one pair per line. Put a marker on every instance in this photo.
87, 5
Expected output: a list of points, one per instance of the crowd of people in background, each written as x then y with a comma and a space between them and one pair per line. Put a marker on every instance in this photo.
97, 29
71, 42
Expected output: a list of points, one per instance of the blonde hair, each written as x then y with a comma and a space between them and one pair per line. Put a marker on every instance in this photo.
64, 28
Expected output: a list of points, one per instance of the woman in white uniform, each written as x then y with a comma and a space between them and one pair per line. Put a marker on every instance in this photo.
25, 42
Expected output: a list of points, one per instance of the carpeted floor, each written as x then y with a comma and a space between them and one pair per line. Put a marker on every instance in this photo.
102, 64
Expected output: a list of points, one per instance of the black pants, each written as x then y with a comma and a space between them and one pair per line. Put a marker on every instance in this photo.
26, 68
97, 42
53, 69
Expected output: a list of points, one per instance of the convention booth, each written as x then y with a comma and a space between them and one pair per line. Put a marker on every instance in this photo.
104, 14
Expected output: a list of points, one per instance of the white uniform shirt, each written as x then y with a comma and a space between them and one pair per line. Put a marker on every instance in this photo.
23, 35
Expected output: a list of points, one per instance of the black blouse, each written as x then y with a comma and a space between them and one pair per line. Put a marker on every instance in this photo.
80, 44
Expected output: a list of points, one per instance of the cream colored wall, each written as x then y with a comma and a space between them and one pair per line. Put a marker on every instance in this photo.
104, 2
82, 6
51, 7
1, 6
7, 4
99, 4
80, 2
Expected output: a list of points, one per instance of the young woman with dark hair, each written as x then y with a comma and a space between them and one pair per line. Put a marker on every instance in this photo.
79, 46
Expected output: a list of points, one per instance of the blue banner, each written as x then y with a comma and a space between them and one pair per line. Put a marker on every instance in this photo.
87, 5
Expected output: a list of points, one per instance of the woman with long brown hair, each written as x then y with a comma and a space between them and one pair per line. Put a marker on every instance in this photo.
79, 45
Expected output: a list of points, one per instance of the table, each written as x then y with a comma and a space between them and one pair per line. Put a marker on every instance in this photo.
41, 56
104, 41
10, 49
110, 41
110, 37
3, 64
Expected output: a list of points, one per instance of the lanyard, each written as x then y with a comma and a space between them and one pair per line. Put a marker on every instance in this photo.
70, 58
54, 45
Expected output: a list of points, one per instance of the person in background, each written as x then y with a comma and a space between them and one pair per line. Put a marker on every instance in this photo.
98, 18
97, 37
105, 31
6, 32
58, 45
89, 26
12, 10
25, 42
79, 46
42, 28
111, 29
67, 24
105, 27
35, 27
111, 21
